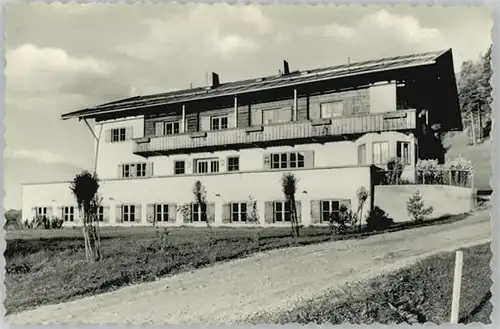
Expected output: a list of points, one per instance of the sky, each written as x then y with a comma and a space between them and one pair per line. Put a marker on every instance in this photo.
65, 57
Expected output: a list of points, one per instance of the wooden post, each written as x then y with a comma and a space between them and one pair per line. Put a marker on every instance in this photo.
183, 123
235, 111
294, 116
457, 281
473, 128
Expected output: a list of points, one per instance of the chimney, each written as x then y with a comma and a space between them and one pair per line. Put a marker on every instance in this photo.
286, 68
215, 80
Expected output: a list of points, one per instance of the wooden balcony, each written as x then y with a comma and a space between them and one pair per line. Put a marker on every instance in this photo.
277, 134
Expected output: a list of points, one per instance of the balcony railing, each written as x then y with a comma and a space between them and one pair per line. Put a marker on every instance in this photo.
277, 134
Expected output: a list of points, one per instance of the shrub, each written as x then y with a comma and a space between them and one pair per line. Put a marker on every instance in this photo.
416, 208
378, 220
429, 172
460, 170
56, 223
342, 221
395, 168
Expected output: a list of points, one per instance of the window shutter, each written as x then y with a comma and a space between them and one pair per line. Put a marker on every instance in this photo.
226, 213
159, 128
267, 161
49, 212
211, 212
107, 136
33, 212
298, 209
138, 213
309, 159
149, 169
150, 213
105, 214
345, 202
205, 123
269, 212
129, 133
315, 211
59, 213
120, 171
118, 214
172, 213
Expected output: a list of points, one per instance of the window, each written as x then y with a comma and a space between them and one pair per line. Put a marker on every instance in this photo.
41, 211
239, 212
180, 167
287, 160
277, 115
129, 213
380, 152
403, 152
172, 128
118, 134
161, 212
141, 169
282, 211
69, 214
332, 109
233, 164
205, 166
199, 212
219, 123
100, 214
329, 208
135, 170
362, 154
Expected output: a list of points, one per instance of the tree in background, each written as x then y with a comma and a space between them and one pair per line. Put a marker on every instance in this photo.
474, 94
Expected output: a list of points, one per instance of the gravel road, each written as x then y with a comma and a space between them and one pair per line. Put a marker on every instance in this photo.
270, 281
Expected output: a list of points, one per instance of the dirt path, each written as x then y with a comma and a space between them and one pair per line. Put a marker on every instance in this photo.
269, 281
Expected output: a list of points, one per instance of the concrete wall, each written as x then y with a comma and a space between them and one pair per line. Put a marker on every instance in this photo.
314, 184
446, 200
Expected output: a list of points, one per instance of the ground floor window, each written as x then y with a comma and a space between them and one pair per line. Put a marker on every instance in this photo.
403, 152
69, 214
282, 211
199, 212
41, 211
161, 212
380, 152
128, 213
100, 214
239, 212
329, 208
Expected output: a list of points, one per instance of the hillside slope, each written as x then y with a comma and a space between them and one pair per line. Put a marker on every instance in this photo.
479, 155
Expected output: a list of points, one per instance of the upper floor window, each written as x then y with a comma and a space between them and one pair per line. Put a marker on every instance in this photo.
332, 109
403, 152
172, 128
118, 134
380, 152
136, 169
204, 166
277, 115
239, 212
179, 167
362, 154
218, 123
233, 164
287, 160
69, 214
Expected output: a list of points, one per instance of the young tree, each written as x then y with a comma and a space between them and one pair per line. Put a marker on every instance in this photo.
289, 186
200, 198
85, 187
416, 208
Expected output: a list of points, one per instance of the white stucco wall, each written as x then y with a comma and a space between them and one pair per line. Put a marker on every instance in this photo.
314, 184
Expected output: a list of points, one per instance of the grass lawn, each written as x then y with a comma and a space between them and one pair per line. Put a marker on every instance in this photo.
417, 294
47, 266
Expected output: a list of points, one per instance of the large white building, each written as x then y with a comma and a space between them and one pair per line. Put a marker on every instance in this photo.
332, 127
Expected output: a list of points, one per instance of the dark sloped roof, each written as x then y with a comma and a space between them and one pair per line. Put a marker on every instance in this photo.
265, 83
